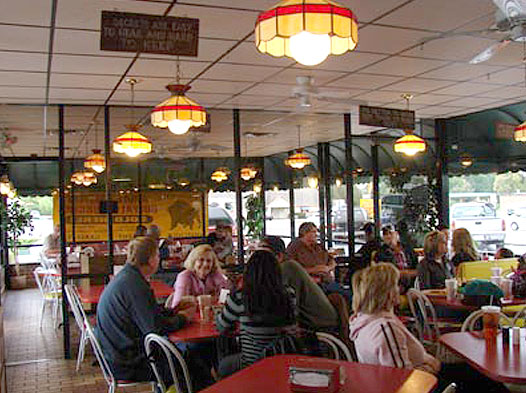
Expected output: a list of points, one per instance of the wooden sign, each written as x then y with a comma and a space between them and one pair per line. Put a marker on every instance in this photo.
504, 130
164, 35
386, 117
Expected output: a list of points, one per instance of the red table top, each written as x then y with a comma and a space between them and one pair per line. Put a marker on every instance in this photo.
92, 293
271, 375
195, 331
498, 362
442, 300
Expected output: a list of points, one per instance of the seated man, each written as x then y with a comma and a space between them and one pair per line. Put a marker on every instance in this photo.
371, 246
310, 254
51, 247
314, 309
221, 242
127, 312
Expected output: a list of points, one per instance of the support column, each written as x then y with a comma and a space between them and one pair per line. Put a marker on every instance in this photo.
62, 219
349, 182
327, 178
109, 213
292, 210
376, 187
321, 193
139, 186
237, 183
442, 172
263, 200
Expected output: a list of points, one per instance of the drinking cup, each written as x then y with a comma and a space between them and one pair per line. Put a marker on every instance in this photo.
490, 321
451, 288
204, 301
507, 285
496, 271
495, 280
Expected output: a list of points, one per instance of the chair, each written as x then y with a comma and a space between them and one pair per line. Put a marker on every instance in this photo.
47, 285
337, 346
517, 321
80, 318
469, 322
451, 388
416, 284
105, 367
482, 269
171, 355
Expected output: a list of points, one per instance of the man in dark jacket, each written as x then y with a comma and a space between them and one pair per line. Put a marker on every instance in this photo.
127, 312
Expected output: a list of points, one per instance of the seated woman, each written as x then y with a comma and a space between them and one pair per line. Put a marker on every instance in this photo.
202, 276
392, 250
463, 248
264, 308
434, 268
379, 336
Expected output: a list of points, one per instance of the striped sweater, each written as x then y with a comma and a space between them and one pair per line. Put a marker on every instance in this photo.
256, 332
383, 339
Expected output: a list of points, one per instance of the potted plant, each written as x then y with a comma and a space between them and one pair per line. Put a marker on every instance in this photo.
16, 219
254, 218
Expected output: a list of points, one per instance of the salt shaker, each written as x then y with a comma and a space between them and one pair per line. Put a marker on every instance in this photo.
505, 336
516, 335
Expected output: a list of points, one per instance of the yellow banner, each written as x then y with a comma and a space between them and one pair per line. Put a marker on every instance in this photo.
177, 213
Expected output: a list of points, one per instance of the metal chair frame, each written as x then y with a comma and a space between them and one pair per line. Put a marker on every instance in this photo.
338, 346
47, 285
469, 322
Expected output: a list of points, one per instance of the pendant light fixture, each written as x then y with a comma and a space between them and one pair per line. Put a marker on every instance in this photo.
5, 185
96, 161
299, 159
466, 160
338, 182
178, 112
248, 171
306, 30
312, 181
410, 144
132, 143
220, 174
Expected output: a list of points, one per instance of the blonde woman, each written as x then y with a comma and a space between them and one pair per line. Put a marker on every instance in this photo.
463, 248
434, 268
379, 336
202, 276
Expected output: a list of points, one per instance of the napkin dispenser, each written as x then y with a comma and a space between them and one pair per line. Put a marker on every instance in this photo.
321, 378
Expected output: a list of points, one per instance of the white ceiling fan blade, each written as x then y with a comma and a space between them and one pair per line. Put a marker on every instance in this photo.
511, 8
489, 52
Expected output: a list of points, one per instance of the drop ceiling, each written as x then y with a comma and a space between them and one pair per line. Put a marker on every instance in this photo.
405, 46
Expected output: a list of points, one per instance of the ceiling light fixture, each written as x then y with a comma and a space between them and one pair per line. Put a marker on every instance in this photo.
96, 161
519, 134
338, 182
178, 112
410, 144
257, 187
306, 30
132, 143
466, 161
299, 159
220, 174
248, 171
5, 185
312, 181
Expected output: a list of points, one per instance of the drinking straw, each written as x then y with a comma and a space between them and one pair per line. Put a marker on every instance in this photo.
491, 300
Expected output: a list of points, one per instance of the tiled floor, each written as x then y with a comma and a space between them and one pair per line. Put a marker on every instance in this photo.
35, 357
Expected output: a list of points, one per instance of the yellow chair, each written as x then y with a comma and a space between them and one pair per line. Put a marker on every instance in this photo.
482, 269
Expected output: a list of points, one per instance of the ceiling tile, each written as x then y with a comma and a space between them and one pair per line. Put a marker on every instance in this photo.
365, 81
348, 62
320, 77
471, 101
379, 96
91, 81
366, 11
379, 39
165, 68
511, 55
246, 53
22, 92
254, 5
507, 92
23, 62
466, 89
66, 94
69, 41
271, 89
404, 66
461, 72
435, 15
217, 86
14, 78
85, 14
239, 72
28, 38
456, 48
418, 85
88, 64
432, 99
509, 76
437, 111
28, 12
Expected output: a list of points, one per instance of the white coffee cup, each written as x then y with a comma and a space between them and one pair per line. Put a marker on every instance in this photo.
451, 287
496, 271
496, 280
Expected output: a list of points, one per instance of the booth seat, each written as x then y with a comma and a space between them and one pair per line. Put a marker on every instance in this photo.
482, 269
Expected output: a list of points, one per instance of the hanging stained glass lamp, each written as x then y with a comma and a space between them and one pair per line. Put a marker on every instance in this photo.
96, 161
132, 143
410, 144
306, 30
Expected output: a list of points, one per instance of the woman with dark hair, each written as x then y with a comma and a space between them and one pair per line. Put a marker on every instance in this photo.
434, 268
463, 247
264, 308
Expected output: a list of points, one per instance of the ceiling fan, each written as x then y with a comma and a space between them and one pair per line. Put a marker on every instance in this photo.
510, 19
306, 93
192, 145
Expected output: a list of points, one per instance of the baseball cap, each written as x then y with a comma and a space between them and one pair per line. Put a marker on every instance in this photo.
275, 243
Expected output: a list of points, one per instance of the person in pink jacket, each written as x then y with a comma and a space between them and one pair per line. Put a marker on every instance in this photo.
202, 276
378, 335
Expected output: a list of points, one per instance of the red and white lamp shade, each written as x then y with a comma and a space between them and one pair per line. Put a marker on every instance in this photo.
132, 143
95, 162
178, 113
410, 144
306, 30
298, 160
519, 134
